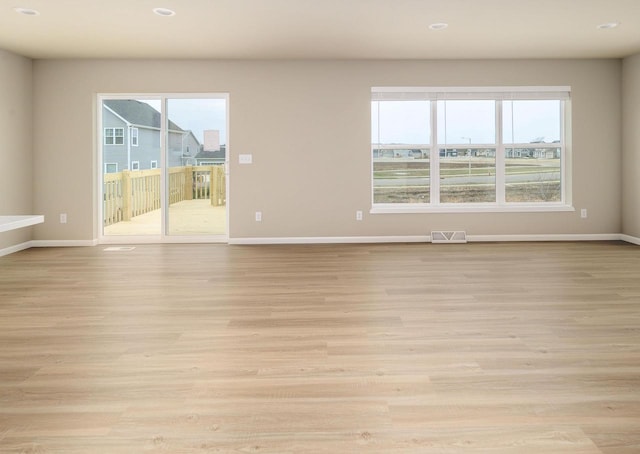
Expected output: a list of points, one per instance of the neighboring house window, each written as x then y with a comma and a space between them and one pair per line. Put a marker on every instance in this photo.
113, 136
134, 137
469, 149
154, 164
135, 165
111, 167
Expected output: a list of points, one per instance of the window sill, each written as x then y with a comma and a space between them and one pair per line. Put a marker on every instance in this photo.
479, 208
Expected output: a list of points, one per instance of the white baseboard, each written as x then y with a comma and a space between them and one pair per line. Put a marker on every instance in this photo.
630, 239
63, 243
546, 237
425, 239
332, 240
375, 239
15, 248
354, 240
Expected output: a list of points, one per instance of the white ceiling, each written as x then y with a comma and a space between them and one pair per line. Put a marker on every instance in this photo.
321, 29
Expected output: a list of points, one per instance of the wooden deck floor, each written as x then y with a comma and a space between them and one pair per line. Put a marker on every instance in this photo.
477, 348
189, 217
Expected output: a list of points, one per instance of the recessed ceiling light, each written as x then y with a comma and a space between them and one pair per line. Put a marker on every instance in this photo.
608, 25
164, 12
438, 26
27, 11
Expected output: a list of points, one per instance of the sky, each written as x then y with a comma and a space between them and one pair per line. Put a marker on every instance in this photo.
464, 122
407, 122
196, 115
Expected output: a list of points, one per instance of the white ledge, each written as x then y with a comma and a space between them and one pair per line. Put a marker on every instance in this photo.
17, 222
468, 208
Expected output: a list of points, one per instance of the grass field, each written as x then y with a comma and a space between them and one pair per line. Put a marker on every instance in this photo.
420, 168
518, 193
541, 187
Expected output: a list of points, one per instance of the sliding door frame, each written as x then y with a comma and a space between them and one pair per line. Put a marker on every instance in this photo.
164, 236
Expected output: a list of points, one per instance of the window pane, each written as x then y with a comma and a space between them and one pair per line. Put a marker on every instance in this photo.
131, 200
533, 175
119, 133
197, 134
400, 137
401, 175
467, 175
466, 122
400, 122
531, 121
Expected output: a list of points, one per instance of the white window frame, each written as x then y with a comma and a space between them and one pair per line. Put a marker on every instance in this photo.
498, 94
135, 165
113, 136
154, 164
134, 137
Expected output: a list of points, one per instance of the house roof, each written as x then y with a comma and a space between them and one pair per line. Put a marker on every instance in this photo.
212, 154
138, 113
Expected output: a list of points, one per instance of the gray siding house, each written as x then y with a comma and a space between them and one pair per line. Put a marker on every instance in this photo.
131, 138
208, 158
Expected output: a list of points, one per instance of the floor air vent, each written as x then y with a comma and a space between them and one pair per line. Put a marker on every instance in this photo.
119, 248
454, 236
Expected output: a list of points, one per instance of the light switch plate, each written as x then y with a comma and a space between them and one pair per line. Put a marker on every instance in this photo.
245, 159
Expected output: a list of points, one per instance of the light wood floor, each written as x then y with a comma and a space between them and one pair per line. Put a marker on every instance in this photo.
499, 348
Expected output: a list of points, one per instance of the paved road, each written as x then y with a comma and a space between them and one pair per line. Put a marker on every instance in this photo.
545, 177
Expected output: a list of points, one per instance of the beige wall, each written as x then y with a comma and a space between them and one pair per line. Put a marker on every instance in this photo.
15, 143
307, 125
631, 143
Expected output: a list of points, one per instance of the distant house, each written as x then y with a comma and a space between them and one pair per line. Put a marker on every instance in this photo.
209, 158
131, 138
534, 153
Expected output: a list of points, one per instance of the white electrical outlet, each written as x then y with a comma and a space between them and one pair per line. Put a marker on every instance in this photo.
63, 218
245, 159
358, 215
583, 213
258, 216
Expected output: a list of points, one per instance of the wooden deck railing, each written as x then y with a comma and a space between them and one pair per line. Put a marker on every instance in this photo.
128, 193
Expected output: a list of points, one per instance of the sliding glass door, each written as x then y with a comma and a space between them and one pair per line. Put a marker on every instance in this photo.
163, 167
196, 162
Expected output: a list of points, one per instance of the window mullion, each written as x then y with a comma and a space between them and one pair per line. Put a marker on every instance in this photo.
434, 161
564, 178
500, 157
